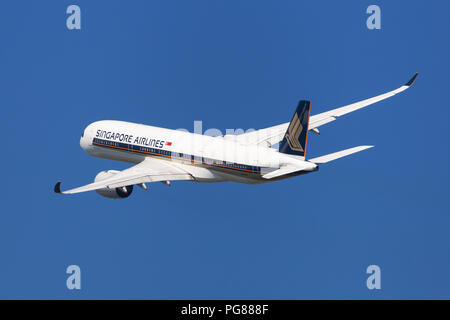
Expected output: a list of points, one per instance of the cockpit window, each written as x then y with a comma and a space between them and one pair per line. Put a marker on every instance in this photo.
82, 135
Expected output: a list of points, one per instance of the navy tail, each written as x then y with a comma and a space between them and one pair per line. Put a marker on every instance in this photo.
295, 138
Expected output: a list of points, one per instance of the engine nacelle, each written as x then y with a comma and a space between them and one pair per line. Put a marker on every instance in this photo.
117, 193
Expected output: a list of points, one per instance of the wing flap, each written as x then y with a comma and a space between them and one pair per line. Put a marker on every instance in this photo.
151, 178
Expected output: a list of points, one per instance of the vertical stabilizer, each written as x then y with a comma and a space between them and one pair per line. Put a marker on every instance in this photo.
295, 138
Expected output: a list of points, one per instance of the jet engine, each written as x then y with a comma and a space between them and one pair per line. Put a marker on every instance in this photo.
117, 193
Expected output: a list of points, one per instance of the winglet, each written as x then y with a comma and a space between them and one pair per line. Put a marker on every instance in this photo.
411, 81
57, 187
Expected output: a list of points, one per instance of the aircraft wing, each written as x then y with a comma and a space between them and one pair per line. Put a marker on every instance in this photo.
275, 134
149, 170
326, 117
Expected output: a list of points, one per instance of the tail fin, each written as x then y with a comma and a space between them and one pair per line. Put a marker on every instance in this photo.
294, 141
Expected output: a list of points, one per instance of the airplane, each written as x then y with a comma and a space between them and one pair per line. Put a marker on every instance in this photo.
166, 155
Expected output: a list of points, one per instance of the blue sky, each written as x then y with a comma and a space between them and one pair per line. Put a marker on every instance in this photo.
231, 64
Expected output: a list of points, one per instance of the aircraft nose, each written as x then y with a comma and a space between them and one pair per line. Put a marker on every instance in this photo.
84, 143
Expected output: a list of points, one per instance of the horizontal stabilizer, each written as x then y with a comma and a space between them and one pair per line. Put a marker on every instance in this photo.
291, 168
339, 154
281, 172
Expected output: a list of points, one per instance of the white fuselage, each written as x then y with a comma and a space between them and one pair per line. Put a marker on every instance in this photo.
207, 159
